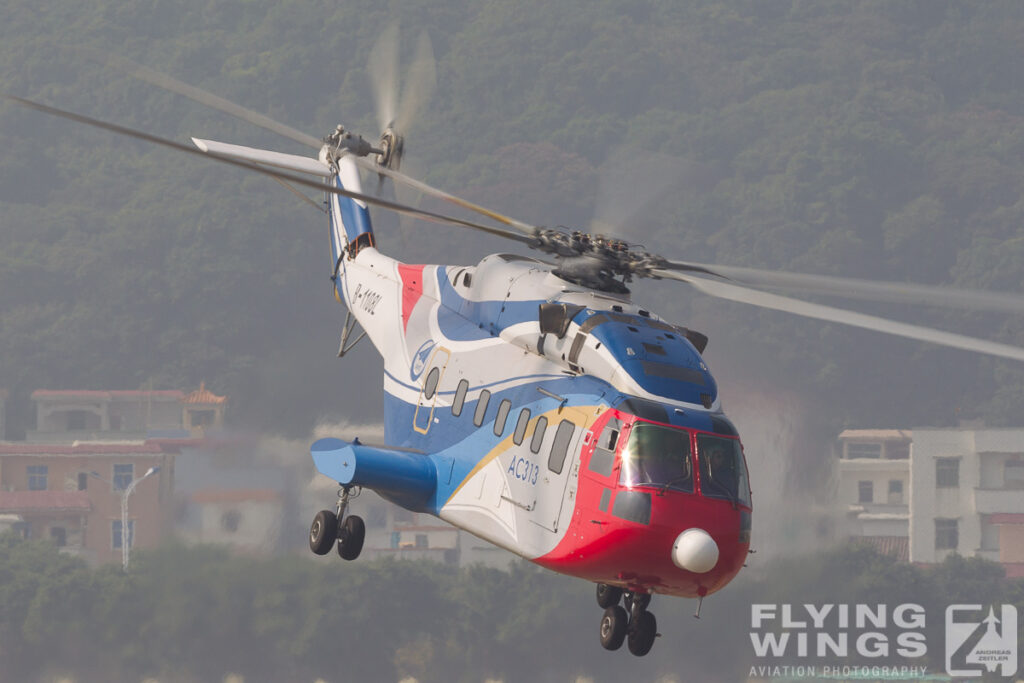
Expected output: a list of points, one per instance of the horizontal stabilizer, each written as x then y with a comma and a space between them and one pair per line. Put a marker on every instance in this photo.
291, 162
408, 479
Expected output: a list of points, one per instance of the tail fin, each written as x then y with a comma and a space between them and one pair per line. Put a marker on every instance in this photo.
350, 219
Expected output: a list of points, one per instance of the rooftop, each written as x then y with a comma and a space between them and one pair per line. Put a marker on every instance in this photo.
43, 394
80, 448
877, 434
204, 395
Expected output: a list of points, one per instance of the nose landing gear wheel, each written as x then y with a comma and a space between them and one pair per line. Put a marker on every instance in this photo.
613, 627
350, 537
323, 532
608, 595
642, 634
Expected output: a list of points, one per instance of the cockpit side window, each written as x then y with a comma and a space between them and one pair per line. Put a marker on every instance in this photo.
723, 473
603, 457
657, 456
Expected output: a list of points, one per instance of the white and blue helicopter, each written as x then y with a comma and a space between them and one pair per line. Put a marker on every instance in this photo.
534, 404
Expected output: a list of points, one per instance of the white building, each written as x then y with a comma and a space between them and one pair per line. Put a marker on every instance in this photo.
928, 493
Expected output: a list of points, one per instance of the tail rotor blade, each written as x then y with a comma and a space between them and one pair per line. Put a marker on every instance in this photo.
289, 177
420, 81
383, 69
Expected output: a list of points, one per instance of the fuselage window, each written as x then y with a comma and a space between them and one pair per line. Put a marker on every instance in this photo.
430, 385
460, 397
538, 434
481, 408
560, 446
521, 424
502, 417
603, 457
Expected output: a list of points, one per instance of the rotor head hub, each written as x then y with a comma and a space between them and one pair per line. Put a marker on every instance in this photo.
390, 145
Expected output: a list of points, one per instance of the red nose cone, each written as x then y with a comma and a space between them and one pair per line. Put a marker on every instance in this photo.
607, 549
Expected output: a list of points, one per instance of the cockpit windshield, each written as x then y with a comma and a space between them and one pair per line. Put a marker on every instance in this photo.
657, 456
722, 470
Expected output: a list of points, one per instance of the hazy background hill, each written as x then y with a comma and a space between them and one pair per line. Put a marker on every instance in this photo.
869, 139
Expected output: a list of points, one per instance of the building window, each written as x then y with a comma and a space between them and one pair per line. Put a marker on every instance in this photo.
481, 408
895, 492
502, 417
83, 481
897, 450
76, 420
123, 475
460, 397
37, 477
865, 492
59, 535
203, 418
1013, 474
860, 449
230, 521
115, 533
947, 473
422, 541
989, 534
946, 535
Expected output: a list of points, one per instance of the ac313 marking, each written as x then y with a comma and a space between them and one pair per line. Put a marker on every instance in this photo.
523, 470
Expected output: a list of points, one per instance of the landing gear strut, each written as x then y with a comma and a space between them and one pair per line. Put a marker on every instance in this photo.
329, 528
630, 622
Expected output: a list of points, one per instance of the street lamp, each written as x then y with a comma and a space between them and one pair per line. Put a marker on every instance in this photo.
124, 510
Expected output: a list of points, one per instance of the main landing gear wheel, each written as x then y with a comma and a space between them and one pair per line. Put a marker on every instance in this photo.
323, 532
642, 633
632, 622
608, 595
350, 537
613, 627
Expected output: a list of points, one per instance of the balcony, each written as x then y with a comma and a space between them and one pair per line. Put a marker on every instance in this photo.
990, 501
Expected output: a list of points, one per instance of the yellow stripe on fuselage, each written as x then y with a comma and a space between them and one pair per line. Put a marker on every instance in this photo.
506, 443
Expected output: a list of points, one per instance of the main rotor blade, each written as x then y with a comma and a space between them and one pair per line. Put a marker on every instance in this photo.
754, 297
854, 288
290, 177
210, 100
399, 177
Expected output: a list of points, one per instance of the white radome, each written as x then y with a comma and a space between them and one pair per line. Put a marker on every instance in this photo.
695, 551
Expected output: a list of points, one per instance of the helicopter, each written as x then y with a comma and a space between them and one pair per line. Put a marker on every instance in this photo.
532, 402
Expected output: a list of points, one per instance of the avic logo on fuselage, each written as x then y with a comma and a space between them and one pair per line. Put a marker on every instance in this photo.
419, 359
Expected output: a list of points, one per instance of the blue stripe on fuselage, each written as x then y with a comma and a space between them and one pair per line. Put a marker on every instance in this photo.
354, 218
487, 318
456, 445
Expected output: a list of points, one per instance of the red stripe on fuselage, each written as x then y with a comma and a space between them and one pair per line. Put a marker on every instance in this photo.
412, 289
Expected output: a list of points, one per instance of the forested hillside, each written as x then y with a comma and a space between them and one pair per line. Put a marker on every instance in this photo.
869, 139
198, 614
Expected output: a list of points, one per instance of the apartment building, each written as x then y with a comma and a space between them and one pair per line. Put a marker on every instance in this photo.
924, 494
